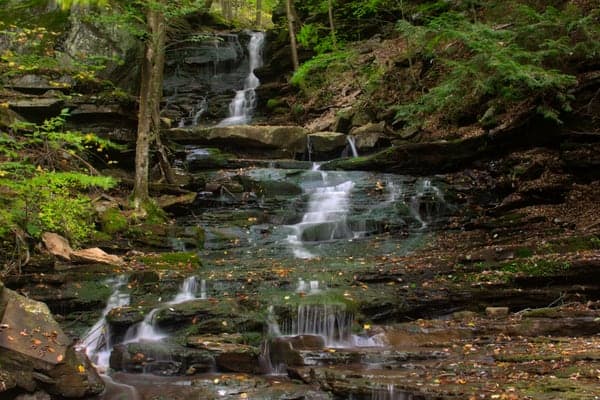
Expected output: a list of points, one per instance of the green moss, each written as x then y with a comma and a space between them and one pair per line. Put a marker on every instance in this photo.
541, 268
113, 221
274, 103
89, 291
171, 259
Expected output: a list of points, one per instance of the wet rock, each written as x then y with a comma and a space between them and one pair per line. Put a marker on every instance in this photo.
269, 188
246, 139
367, 137
282, 352
35, 353
202, 159
160, 358
327, 142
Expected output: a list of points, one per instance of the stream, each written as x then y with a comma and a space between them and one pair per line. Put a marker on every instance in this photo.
276, 289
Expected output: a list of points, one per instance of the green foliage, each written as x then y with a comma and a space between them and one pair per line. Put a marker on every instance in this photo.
311, 72
482, 68
49, 201
34, 196
316, 37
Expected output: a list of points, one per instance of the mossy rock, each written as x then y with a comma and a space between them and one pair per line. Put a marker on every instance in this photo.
113, 221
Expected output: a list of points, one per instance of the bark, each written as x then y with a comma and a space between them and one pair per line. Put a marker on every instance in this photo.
149, 112
258, 13
291, 27
331, 25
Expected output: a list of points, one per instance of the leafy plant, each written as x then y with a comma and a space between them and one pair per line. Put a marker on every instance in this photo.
483, 69
37, 191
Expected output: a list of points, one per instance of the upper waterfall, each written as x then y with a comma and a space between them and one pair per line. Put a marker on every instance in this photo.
243, 104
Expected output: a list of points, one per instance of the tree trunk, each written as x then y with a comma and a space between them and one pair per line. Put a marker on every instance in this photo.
258, 21
331, 25
208, 5
150, 97
289, 8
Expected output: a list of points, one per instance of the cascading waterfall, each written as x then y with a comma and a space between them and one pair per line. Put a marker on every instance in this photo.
325, 219
97, 341
244, 102
331, 321
147, 329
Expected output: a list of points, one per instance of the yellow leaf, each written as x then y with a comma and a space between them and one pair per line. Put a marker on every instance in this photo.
4, 105
81, 369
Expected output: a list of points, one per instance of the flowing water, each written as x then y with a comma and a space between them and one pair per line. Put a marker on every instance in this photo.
243, 104
97, 342
330, 217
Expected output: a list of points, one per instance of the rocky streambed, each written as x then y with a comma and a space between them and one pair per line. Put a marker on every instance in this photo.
299, 283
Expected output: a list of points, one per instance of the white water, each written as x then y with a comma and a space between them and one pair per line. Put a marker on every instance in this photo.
96, 342
244, 102
352, 144
187, 291
423, 189
325, 218
147, 331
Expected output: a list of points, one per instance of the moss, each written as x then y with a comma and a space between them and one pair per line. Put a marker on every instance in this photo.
172, 259
538, 268
89, 291
113, 221
274, 103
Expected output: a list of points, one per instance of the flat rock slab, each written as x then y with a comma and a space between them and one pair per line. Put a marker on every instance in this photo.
31, 330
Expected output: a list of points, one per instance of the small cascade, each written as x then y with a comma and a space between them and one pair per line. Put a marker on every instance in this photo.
187, 291
325, 219
97, 341
330, 321
352, 144
312, 287
147, 329
425, 204
195, 114
244, 102
203, 295
390, 393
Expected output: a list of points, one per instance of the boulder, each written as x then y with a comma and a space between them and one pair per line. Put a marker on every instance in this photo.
36, 354
245, 139
39, 84
368, 136
96, 255
327, 142
59, 247
90, 37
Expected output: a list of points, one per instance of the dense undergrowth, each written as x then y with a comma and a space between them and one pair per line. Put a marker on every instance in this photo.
449, 64
46, 180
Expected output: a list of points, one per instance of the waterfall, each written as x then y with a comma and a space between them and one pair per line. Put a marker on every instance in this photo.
97, 341
352, 144
147, 329
325, 219
244, 102
187, 291
330, 321
425, 190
